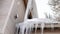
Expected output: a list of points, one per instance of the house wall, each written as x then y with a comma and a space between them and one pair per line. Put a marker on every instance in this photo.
21, 11
14, 14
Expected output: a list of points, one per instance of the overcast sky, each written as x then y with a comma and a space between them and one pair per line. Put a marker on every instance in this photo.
43, 7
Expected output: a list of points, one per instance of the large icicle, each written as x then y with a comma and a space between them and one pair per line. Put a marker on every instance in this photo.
42, 28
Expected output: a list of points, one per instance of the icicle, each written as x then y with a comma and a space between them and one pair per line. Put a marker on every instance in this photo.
31, 27
22, 31
30, 30
36, 25
52, 26
27, 30
42, 28
17, 28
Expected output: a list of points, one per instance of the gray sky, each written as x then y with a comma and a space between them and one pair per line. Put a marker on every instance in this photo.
43, 7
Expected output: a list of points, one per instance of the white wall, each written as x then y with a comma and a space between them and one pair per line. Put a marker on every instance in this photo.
10, 20
34, 10
21, 10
